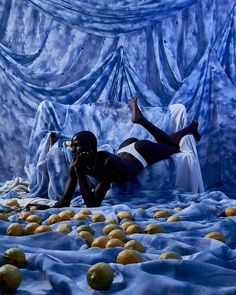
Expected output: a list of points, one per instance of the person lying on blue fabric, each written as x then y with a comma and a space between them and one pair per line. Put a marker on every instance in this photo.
133, 155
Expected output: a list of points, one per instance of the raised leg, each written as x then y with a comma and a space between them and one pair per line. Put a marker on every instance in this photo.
190, 129
159, 135
138, 118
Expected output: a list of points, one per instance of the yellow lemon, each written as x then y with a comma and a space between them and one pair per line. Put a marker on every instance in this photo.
14, 256
80, 216
34, 218
64, 215
174, 218
161, 214
117, 234
3, 217
114, 243
54, 218
124, 215
15, 229
178, 209
24, 215
100, 242
153, 228
64, 228
230, 211
128, 257
100, 276
70, 212
85, 211
134, 245
86, 236
30, 228
215, 235
32, 208
170, 255
109, 227
85, 227
12, 203
111, 220
133, 229
10, 278
98, 217
126, 224
42, 229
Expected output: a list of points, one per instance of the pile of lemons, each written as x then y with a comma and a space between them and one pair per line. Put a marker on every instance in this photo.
100, 275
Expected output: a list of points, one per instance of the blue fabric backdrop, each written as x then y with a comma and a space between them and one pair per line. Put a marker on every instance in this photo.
166, 51
71, 52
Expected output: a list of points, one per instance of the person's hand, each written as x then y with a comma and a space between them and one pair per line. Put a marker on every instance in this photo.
78, 164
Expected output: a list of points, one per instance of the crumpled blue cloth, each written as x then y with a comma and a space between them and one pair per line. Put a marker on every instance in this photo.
187, 57
161, 64
111, 18
58, 263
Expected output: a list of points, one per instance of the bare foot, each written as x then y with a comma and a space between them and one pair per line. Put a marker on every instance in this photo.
194, 128
137, 116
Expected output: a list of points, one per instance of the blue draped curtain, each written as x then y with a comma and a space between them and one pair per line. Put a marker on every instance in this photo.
84, 51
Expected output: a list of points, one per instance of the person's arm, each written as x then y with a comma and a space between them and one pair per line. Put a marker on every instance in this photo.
69, 188
93, 198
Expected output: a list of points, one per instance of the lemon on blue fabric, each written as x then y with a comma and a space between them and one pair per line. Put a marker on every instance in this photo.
80, 216
10, 278
124, 215
111, 220
230, 211
70, 212
14, 256
170, 255
12, 203
3, 217
114, 243
127, 257
42, 229
64, 228
173, 218
117, 234
30, 228
64, 215
161, 214
98, 217
32, 208
154, 228
15, 229
24, 215
100, 276
85, 211
86, 236
178, 209
109, 227
215, 235
135, 245
34, 218
133, 229
85, 227
126, 224
100, 242
54, 218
